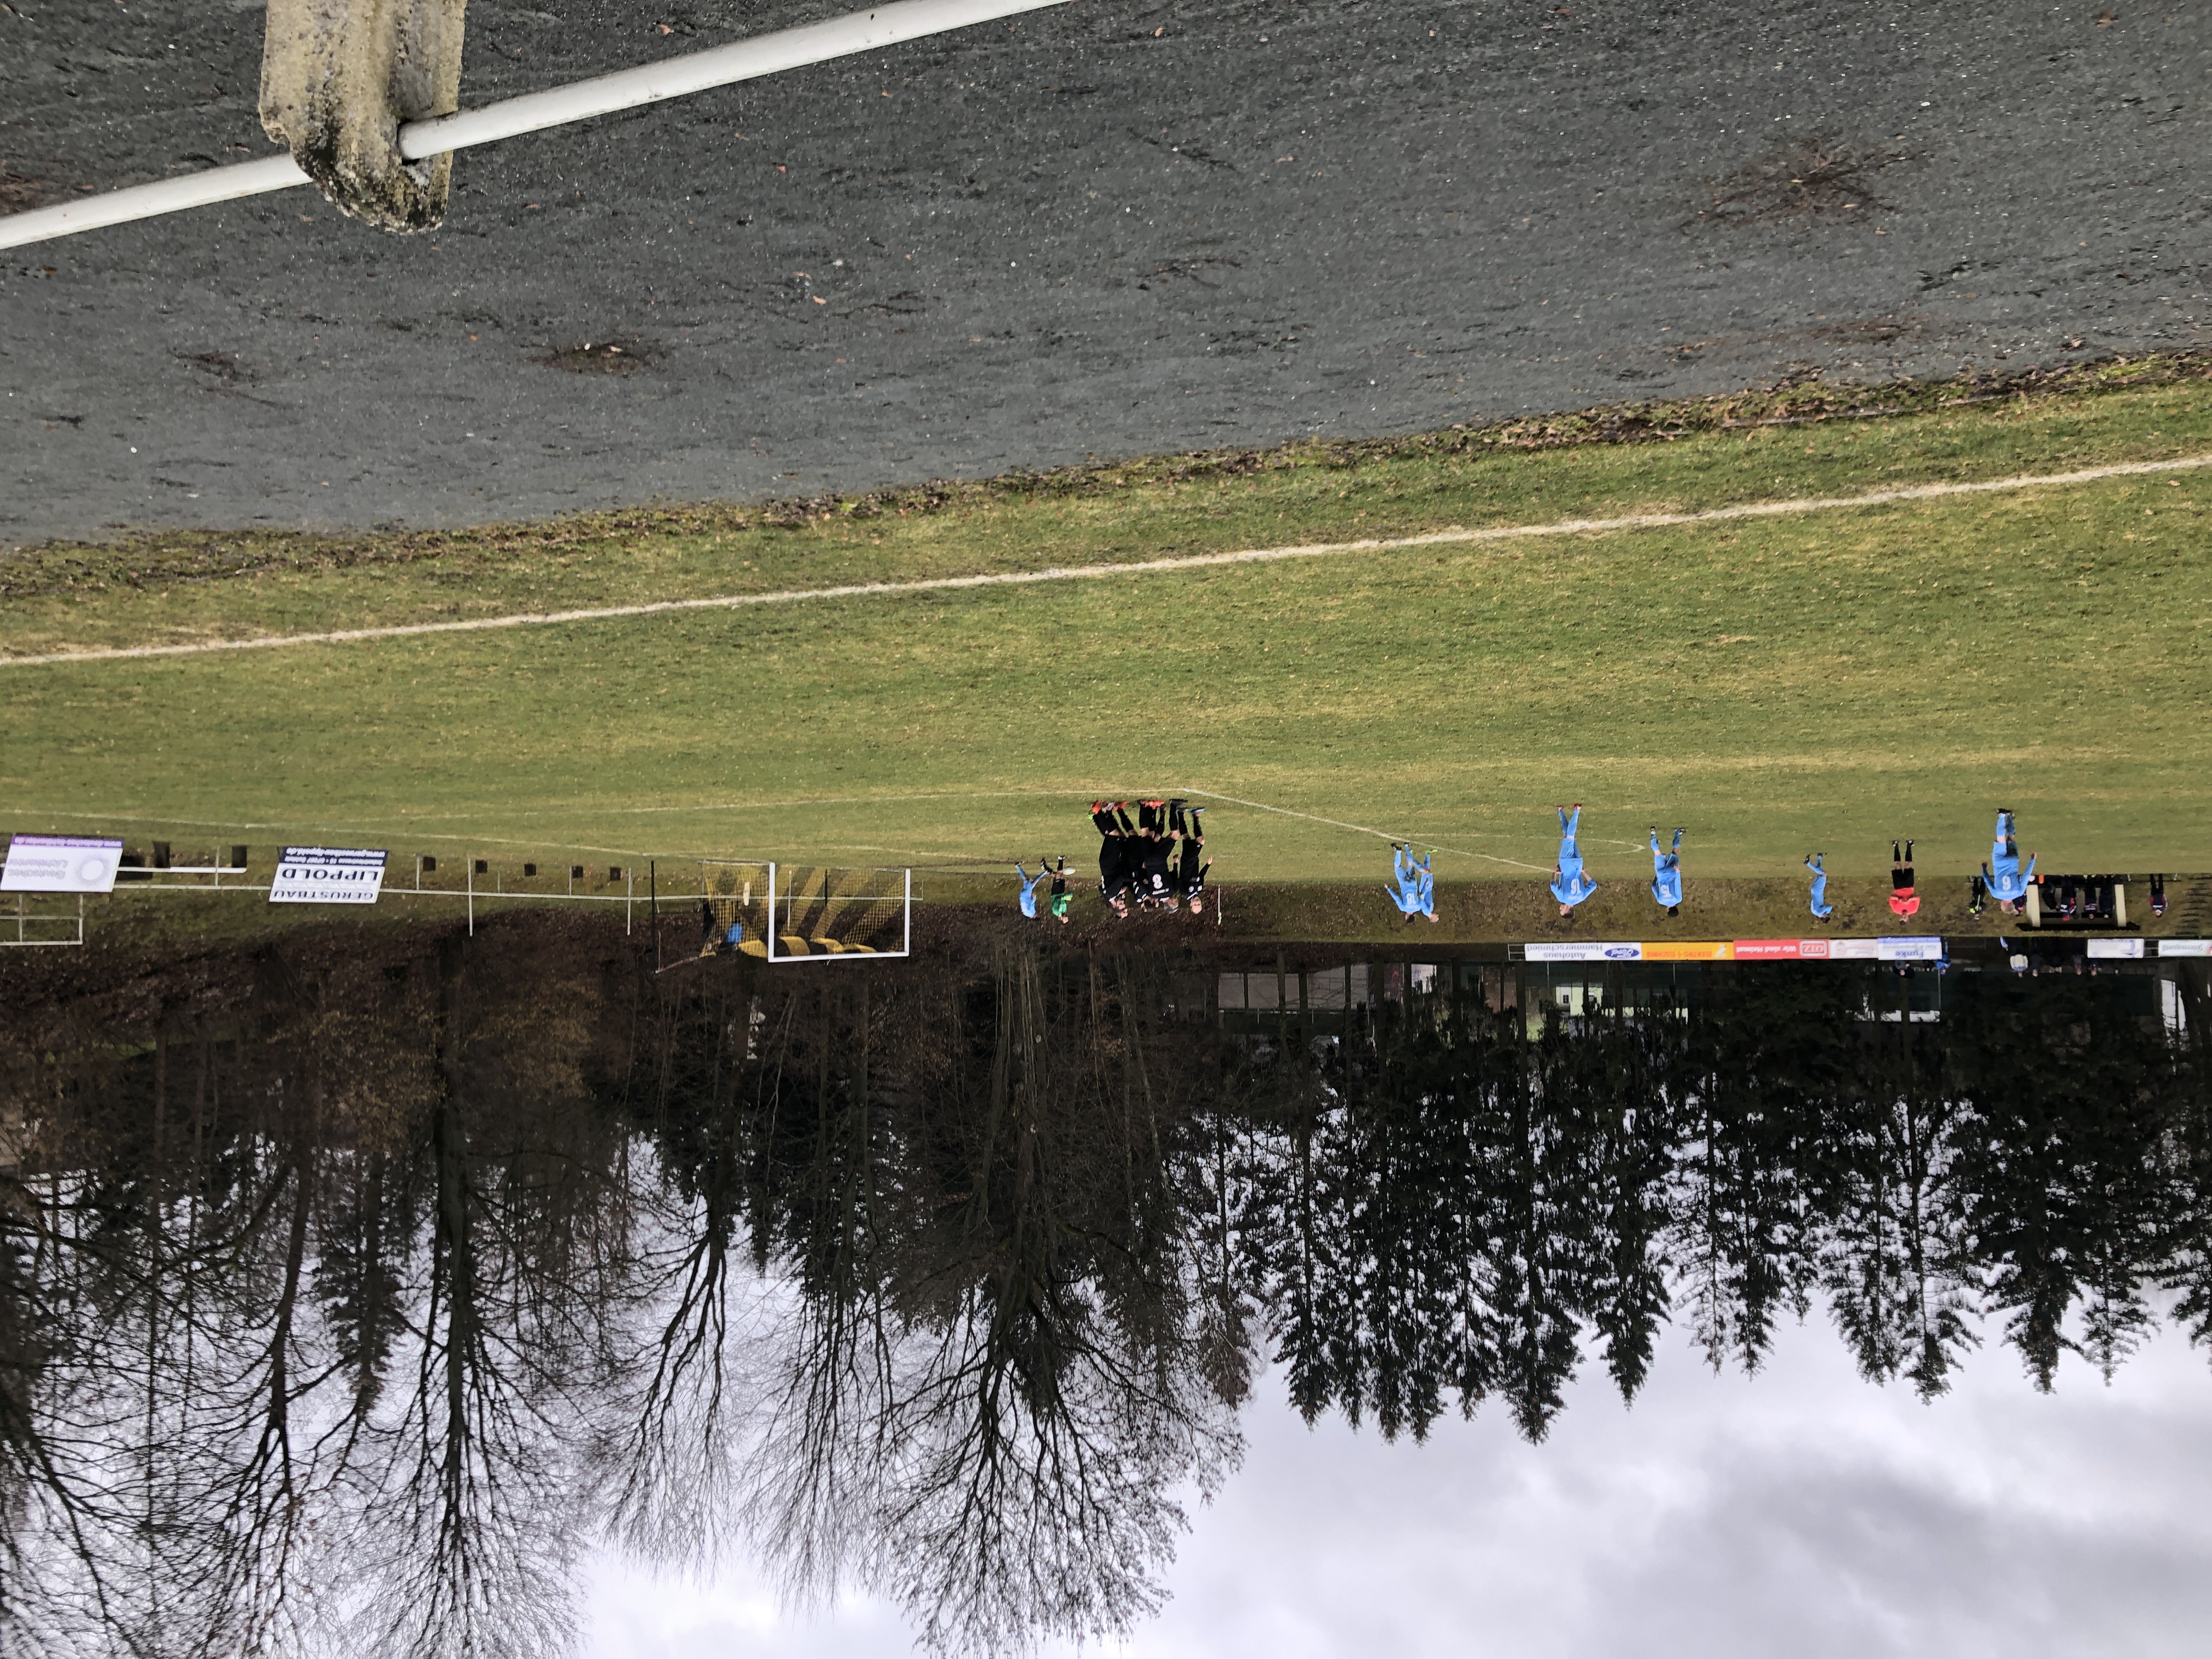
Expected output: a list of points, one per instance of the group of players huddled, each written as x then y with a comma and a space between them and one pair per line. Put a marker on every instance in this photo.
1157, 863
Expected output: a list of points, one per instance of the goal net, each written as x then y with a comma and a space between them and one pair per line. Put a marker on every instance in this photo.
806, 913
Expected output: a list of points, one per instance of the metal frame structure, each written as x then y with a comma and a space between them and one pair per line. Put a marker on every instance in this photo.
906, 924
25, 920
881, 26
466, 893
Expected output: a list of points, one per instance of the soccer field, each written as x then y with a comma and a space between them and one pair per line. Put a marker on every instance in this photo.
1824, 679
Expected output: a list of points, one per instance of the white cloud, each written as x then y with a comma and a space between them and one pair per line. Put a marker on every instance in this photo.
1801, 1513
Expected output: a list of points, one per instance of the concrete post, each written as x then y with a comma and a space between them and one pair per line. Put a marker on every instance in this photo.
339, 76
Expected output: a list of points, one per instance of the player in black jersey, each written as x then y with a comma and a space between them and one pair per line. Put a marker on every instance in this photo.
1155, 886
1117, 854
1115, 875
1191, 866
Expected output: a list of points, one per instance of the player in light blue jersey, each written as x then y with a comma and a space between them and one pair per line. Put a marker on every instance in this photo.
1667, 872
1415, 893
1568, 885
1821, 908
2007, 882
1030, 884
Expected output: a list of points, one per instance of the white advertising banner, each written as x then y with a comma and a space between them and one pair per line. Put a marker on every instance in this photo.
1897, 947
1575, 951
1854, 949
328, 875
2184, 947
61, 863
2115, 949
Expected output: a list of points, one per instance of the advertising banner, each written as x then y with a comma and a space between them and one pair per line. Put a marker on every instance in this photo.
1781, 949
2184, 947
1575, 951
328, 875
2116, 950
1689, 950
1896, 947
1769, 950
61, 863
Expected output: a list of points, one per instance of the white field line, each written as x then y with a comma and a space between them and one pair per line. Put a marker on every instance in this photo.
1142, 568
1380, 835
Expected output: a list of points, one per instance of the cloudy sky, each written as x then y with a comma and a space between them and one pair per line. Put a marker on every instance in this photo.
1801, 1513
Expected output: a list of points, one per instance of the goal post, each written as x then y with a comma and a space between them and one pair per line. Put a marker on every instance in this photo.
827, 913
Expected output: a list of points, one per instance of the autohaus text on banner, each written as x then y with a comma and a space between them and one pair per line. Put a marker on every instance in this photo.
61, 863
328, 875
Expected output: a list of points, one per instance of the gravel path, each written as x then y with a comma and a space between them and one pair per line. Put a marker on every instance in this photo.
1100, 231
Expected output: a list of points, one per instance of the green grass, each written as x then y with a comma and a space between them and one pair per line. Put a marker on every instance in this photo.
1775, 685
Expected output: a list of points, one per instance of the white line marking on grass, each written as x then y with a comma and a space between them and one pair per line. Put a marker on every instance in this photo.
1380, 835
1142, 568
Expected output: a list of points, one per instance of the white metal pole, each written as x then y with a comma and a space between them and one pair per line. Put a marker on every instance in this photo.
604, 94
771, 940
906, 942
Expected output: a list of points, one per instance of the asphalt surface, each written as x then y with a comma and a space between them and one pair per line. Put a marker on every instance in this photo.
1104, 230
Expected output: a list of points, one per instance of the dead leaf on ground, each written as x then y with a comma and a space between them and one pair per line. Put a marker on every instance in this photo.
624, 354
1818, 178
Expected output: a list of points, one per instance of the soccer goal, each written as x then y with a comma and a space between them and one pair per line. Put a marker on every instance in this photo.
807, 913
